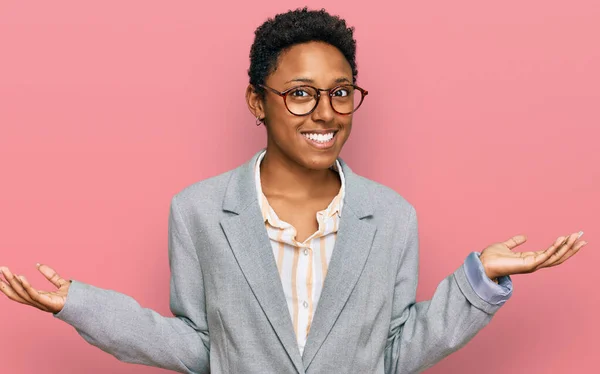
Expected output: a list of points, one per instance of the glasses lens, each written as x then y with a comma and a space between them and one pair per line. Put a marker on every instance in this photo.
346, 99
301, 100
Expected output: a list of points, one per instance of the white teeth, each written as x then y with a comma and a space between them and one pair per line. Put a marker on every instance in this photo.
321, 138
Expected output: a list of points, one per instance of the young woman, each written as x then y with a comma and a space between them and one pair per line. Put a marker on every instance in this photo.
292, 263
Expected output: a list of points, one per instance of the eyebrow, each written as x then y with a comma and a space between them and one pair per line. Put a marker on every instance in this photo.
308, 80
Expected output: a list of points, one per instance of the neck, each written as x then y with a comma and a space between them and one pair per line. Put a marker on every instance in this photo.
280, 175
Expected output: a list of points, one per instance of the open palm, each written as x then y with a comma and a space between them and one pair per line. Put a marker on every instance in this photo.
17, 288
499, 259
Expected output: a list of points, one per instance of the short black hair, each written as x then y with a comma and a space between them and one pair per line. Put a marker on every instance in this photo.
295, 27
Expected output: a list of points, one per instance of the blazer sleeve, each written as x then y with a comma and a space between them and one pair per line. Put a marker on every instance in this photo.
421, 334
117, 324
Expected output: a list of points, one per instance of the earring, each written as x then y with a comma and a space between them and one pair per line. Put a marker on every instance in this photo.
258, 121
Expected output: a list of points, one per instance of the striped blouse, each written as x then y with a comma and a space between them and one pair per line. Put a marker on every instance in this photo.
302, 266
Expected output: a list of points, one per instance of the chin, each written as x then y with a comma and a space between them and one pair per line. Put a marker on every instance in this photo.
322, 162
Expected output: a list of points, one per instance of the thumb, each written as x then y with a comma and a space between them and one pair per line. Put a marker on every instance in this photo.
515, 241
51, 275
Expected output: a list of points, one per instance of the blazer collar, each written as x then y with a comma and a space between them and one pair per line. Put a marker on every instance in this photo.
241, 190
251, 246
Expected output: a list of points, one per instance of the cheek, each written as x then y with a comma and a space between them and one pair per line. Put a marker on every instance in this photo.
347, 127
281, 121
283, 131
284, 124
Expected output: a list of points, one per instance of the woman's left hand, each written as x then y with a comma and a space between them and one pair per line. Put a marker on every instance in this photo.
498, 259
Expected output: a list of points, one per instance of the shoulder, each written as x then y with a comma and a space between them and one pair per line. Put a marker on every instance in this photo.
206, 194
389, 207
383, 196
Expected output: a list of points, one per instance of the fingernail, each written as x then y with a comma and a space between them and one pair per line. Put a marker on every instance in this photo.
584, 244
580, 233
37, 264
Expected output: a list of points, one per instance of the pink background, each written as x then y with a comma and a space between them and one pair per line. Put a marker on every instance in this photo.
484, 115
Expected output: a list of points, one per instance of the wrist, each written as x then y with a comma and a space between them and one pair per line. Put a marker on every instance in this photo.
493, 277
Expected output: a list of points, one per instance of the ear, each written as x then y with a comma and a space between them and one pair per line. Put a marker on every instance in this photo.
255, 102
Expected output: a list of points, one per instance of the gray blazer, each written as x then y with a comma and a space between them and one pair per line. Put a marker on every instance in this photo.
230, 314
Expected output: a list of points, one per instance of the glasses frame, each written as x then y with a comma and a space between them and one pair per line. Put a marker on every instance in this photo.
330, 92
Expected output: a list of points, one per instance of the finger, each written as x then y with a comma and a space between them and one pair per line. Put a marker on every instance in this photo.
25, 295
565, 240
561, 249
534, 260
566, 248
570, 253
10, 293
561, 240
41, 301
515, 241
569, 237
15, 284
51, 275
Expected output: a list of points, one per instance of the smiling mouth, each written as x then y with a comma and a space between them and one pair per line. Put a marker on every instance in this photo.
320, 139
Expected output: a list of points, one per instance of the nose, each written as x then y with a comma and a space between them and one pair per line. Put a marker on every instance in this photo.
324, 110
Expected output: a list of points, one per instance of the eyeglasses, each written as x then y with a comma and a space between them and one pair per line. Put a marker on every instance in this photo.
302, 100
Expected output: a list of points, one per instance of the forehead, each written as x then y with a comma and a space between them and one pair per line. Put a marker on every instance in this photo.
318, 61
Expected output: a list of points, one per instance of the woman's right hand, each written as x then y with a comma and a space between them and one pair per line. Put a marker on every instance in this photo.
17, 288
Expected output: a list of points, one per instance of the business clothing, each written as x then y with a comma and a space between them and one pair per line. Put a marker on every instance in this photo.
303, 265
230, 310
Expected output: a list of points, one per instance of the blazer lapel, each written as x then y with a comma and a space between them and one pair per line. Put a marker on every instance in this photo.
251, 247
350, 253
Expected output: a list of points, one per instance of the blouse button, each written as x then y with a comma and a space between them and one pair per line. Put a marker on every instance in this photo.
305, 304
306, 251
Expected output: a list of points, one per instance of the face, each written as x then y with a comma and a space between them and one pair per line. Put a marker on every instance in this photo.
320, 65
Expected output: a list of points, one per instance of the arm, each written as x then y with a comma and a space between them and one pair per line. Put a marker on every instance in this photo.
421, 334
117, 324
495, 292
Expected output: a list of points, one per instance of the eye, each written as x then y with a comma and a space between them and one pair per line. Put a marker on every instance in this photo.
341, 92
300, 92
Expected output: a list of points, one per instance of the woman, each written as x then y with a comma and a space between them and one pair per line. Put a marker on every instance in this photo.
292, 263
